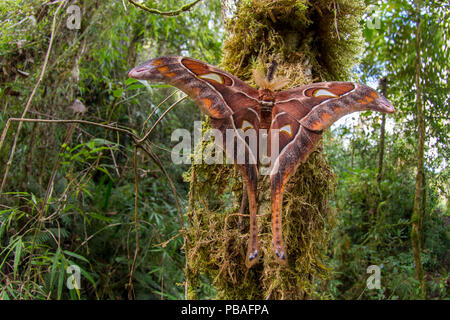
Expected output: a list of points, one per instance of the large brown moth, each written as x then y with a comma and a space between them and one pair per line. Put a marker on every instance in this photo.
300, 115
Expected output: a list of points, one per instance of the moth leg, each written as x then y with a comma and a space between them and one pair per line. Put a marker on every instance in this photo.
250, 175
277, 189
244, 206
294, 153
250, 178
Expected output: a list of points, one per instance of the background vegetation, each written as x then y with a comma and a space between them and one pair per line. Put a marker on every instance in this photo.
80, 194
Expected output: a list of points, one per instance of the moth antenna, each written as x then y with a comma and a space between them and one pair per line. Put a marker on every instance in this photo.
279, 83
260, 80
271, 70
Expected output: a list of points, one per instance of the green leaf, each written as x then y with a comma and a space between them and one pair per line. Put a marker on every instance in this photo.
161, 86
130, 81
99, 141
62, 272
4, 296
33, 198
99, 217
17, 255
77, 256
117, 93
368, 33
54, 266
86, 274
102, 169
135, 86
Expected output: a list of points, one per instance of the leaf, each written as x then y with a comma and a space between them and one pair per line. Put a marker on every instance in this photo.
135, 86
99, 217
74, 294
117, 93
62, 271
160, 86
130, 81
54, 266
77, 256
99, 141
33, 198
75, 284
85, 274
103, 169
17, 255
8, 248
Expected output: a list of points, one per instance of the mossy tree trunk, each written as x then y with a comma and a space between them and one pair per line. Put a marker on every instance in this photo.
312, 41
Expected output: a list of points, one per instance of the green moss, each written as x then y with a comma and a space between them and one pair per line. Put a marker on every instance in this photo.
321, 36
303, 37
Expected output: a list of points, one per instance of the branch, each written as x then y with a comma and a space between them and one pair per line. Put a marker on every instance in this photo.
30, 99
160, 118
136, 225
137, 141
184, 8
128, 132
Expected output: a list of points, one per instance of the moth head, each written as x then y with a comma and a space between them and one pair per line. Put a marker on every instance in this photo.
369, 99
143, 71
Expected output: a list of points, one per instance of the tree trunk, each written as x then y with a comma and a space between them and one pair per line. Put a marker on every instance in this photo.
311, 43
418, 201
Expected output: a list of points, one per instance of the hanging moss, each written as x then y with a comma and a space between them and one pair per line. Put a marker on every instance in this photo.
312, 41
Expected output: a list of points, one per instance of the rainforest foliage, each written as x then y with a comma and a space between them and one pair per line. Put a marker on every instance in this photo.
83, 195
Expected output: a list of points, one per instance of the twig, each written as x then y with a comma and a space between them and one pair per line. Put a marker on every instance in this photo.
155, 109
243, 52
165, 243
136, 250
97, 232
128, 132
30, 99
155, 158
116, 167
162, 276
160, 118
335, 20
184, 8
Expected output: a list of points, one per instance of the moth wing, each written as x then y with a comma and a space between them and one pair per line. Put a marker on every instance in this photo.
231, 104
317, 106
218, 93
299, 116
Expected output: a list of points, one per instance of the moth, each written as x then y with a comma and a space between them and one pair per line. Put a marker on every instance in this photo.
299, 116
